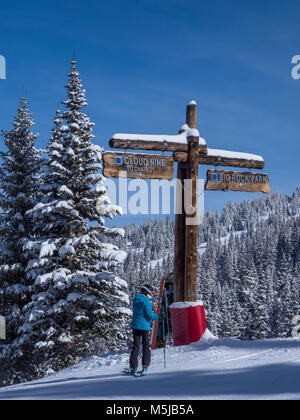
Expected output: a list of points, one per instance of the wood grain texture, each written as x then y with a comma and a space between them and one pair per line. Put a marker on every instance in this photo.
181, 234
179, 254
191, 228
141, 166
191, 115
237, 181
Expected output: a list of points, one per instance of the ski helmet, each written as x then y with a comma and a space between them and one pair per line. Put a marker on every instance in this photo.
147, 289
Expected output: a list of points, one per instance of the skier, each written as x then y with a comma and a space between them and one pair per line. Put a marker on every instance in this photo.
142, 316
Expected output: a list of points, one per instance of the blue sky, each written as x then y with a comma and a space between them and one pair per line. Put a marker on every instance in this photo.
142, 61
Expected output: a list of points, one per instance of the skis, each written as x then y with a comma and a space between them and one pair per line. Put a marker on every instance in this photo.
155, 323
141, 374
138, 374
128, 372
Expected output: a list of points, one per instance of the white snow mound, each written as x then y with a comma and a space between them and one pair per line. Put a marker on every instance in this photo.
214, 369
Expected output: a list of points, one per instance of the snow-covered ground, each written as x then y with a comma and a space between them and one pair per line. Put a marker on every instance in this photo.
210, 369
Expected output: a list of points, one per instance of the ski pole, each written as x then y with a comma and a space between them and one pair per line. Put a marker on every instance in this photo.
167, 311
164, 338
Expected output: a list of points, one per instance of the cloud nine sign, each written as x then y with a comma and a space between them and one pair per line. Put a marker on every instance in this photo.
137, 165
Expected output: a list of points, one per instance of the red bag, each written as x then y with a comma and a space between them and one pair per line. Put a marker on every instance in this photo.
188, 322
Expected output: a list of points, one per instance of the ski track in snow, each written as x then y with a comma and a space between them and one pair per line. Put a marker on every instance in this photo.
211, 369
245, 357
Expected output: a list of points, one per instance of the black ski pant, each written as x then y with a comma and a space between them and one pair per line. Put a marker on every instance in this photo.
138, 337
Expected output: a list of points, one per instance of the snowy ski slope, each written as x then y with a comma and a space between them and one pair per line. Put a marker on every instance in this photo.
210, 369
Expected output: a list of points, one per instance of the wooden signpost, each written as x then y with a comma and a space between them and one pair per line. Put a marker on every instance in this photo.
237, 181
133, 165
189, 151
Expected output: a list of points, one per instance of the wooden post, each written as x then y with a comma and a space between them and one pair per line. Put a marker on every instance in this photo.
191, 225
191, 115
179, 257
180, 220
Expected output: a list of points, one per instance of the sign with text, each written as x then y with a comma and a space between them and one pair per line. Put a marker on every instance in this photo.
134, 165
2, 328
237, 181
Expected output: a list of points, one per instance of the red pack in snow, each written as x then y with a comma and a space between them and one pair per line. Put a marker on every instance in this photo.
188, 322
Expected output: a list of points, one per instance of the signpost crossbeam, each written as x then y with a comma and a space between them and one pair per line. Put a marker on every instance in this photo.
232, 159
167, 143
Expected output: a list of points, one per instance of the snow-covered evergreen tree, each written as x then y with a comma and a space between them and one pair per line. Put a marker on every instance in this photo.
284, 299
19, 185
261, 310
80, 305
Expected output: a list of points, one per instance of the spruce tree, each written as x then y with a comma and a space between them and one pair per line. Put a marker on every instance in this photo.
246, 291
284, 299
79, 305
19, 183
261, 310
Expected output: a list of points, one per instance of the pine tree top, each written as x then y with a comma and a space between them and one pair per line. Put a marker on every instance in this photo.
75, 93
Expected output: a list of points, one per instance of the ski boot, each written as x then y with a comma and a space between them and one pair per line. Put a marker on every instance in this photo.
130, 371
144, 372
